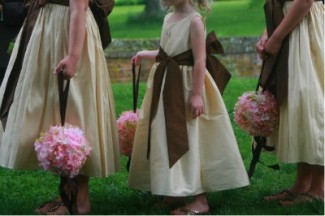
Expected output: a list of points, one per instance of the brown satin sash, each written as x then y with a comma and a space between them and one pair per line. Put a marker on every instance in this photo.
173, 94
274, 75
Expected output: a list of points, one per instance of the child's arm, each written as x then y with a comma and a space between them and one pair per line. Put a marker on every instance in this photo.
77, 31
144, 55
298, 10
199, 53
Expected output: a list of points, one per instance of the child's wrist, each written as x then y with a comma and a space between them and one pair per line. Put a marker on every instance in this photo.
141, 54
73, 57
277, 36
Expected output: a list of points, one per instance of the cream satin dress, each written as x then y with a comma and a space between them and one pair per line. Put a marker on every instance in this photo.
36, 103
213, 162
300, 137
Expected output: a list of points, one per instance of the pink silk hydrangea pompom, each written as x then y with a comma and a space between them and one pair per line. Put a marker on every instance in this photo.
126, 127
63, 150
257, 113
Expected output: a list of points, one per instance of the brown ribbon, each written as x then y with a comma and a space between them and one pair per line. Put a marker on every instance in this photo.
173, 94
101, 9
105, 6
274, 75
217, 70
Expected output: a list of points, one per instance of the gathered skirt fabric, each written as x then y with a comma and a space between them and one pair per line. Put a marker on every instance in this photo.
213, 162
36, 102
300, 137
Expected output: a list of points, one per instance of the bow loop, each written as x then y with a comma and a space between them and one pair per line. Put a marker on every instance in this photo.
213, 45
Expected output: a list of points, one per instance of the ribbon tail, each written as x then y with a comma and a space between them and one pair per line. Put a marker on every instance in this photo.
175, 114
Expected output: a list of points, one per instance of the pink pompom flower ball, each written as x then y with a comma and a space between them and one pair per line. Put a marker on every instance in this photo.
63, 149
126, 127
257, 113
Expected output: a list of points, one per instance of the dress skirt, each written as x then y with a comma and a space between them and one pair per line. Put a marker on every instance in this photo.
36, 102
213, 162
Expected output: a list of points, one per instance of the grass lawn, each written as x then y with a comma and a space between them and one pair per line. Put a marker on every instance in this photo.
228, 18
22, 191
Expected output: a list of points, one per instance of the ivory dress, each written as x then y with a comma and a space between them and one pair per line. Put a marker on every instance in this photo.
36, 102
213, 162
300, 137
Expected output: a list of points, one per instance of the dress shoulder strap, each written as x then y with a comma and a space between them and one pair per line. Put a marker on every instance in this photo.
197, 14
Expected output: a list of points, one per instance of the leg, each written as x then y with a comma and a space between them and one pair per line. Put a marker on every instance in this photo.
302, 184
317, 184
315, 191
83, 200
82, 205
304, 178
198, 206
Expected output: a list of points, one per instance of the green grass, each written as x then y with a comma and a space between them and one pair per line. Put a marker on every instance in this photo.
22, 191
228, 18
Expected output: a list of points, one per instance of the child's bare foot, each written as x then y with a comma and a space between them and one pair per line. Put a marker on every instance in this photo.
199, 206
170, 202
44, 208
283, 195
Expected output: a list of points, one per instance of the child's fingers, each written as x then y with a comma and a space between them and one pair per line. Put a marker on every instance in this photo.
200, 111
60, 67
136, 60
193, 111
197, 111
263, 42
133, 60
259, 47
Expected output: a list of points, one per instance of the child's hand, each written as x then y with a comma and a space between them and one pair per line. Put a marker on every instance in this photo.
137, 59
67, 66
196, 105
260, 47
273, 45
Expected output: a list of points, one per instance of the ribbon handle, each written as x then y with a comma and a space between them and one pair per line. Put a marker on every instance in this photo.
135, 88
63, 96
135, 82
70, 197
260, 144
